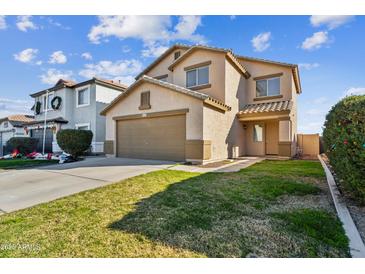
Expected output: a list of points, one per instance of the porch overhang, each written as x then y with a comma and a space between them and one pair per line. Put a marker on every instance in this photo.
277, 115
266, 111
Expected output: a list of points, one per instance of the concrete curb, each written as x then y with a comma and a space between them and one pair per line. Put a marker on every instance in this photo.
357, 247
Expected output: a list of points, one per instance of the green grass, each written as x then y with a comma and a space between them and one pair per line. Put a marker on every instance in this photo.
20, 163
318, 226
179, 214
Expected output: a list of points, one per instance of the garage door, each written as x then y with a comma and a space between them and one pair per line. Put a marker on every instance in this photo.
160, 138
4, 137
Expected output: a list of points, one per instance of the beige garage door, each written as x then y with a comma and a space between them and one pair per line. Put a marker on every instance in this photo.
160, 138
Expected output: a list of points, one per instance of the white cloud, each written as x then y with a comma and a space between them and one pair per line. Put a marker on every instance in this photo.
123, 70
57, 57
261, 42
26, 56
52, 22
330, 21
354, 91
14, 106
316, 41
153, 50
308, 66
185, 29
2, 22
38, 63
24, 23
51, 76
156, 32
87, 56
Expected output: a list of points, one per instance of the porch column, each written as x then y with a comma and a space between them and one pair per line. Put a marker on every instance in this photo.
285, 140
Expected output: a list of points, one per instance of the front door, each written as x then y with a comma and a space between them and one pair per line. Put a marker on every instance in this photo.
272, 137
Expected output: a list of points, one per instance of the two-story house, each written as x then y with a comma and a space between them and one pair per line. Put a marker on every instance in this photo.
13, 126
200, 104
75, 106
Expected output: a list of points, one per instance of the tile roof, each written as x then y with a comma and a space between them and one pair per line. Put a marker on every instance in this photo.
229, 54
71, 84
202, 96
60, 120
18, 120
21, 118
266, 107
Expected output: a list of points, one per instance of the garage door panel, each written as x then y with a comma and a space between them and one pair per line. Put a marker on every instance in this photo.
152, 138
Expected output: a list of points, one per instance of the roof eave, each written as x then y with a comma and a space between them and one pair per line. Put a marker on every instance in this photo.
160, 58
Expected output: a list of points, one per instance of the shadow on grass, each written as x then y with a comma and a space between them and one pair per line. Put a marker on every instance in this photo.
212, 213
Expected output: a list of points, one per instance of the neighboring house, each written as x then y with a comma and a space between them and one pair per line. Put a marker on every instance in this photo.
13, 126
200, 104
77, 106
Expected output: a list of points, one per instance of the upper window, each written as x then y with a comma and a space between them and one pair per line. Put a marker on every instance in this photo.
83, 97
6, 124
47, 103
177, 54
197, 77
145, 100
268, 87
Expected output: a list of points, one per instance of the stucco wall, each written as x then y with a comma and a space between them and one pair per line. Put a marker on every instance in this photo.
162, 67
216, 72
224, 129
64, 94
161, 99
258, 69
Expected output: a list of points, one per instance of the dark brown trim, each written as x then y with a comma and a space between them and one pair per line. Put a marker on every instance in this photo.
161, 76
264, 98
152, 114
214, 104
268, 76
200, 87
203, 64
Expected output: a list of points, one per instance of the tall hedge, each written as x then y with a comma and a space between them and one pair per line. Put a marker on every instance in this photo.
74, 141
344, 143
24, 145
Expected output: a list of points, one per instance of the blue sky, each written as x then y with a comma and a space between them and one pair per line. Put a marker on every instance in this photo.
35, 51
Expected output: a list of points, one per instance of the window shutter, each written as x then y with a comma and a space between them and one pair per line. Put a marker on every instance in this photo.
145, 100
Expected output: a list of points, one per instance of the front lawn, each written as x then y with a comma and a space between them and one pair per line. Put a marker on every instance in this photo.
20, 163
271, 209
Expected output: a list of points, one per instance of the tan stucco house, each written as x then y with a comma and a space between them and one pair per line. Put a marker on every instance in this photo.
201, 104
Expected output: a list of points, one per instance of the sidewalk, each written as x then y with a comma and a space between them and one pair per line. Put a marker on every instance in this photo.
231, 167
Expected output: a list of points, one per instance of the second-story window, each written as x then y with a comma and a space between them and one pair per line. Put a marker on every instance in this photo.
268, 87
197, 76
47, 103
6, 124
83, 97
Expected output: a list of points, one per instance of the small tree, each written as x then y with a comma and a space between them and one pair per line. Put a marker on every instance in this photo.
24, 145
74, 141
344, 141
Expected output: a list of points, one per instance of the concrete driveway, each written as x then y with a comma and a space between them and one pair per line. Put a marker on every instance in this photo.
24, 188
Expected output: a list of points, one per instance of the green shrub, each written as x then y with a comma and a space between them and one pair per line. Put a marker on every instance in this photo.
74, 141
25, 145
344, 143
